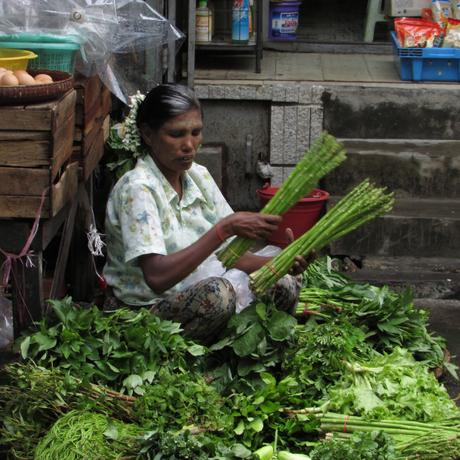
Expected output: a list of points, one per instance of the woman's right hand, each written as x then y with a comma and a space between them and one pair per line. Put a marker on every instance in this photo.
252, 225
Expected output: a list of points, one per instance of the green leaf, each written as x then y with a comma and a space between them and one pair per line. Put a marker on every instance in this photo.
281, 325
239, 429
261, 310
241, 451
132, 381
25, 347
268, 379
196, 350
256, 425
149, 376
111, 432
44, 342
247, 343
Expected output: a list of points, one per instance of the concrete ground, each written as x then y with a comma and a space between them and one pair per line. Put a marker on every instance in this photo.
299, 66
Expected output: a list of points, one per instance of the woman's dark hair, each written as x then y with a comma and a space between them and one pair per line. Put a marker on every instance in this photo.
165, 102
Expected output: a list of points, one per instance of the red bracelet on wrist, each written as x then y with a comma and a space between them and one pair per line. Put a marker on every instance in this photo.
219, 233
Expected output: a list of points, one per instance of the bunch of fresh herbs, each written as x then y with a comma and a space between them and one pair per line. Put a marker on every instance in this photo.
391, 386
125, 349
254, 342
374, 445
389, 319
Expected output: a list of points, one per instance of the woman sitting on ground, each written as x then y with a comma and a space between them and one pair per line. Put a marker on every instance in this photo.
167, 216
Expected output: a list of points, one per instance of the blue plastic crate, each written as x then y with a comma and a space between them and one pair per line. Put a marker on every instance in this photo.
428, 64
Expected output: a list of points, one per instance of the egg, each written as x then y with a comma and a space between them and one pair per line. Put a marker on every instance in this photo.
43, 78
8, 79
24, 78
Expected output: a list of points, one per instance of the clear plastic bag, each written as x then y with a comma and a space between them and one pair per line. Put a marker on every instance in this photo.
239, 279
6, 323
121, 40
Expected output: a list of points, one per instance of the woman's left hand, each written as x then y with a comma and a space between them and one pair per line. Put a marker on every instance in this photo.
300, 263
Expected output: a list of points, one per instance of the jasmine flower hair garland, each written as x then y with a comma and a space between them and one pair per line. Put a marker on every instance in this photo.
125, 139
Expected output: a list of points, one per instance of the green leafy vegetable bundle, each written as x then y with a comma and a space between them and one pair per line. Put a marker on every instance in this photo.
126, 348
388, 319
391, 386
85, 435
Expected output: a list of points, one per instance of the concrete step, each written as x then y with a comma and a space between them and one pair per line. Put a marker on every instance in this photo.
405, 111
415, 227
430, 277
410, 168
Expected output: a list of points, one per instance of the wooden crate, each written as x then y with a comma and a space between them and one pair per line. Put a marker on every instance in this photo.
91, 123
35, 149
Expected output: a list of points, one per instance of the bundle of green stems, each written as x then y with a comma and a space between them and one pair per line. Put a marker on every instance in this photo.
413, 440
318, 298
364, 203
324, 155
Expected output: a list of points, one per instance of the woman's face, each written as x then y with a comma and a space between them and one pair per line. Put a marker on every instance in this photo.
174, 145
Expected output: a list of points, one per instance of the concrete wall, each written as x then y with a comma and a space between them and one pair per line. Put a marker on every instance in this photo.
392, 112
282, 118
231, 125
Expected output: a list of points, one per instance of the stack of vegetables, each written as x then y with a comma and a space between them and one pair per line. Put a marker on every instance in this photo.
351, 376
337, 382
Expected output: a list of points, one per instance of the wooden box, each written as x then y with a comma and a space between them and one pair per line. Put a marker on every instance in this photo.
35, 149
91, 123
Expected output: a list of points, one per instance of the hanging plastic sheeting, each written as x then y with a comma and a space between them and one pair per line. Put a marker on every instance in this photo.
121, 40
138, 50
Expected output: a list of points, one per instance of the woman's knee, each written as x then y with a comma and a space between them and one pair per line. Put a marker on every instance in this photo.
221, 286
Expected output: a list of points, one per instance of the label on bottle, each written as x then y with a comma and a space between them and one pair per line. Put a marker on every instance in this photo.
240, 24
203, 28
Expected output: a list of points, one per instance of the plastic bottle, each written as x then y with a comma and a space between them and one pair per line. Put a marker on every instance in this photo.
204, 23
240, 21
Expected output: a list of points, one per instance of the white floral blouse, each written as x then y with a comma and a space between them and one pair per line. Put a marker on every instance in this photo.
145, 216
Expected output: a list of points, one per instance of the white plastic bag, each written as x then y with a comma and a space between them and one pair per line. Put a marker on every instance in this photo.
6, 323
239, 279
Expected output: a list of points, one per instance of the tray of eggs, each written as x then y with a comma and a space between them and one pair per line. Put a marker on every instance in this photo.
19, 87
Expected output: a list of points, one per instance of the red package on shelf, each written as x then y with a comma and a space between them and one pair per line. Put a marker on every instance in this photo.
418, 33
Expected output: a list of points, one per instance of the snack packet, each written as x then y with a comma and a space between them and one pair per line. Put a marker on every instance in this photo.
418, 33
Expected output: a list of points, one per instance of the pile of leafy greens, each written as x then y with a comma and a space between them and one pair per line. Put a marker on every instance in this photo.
358, 350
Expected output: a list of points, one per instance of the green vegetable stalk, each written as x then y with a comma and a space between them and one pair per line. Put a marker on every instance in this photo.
324, 155
264, 453
413, 440
364, 203
84, 435
284, 455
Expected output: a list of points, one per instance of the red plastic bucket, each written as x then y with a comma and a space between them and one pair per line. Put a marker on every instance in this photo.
299, 218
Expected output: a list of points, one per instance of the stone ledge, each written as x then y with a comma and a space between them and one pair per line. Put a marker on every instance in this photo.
291, 92
435, 278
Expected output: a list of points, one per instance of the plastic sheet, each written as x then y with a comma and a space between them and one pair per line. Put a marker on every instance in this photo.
6, 323
121, 40
212, 266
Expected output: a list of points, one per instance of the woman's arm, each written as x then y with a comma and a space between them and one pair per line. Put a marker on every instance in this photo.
161, 272
250, 262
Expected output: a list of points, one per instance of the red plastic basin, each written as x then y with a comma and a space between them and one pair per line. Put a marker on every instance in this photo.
301, 217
